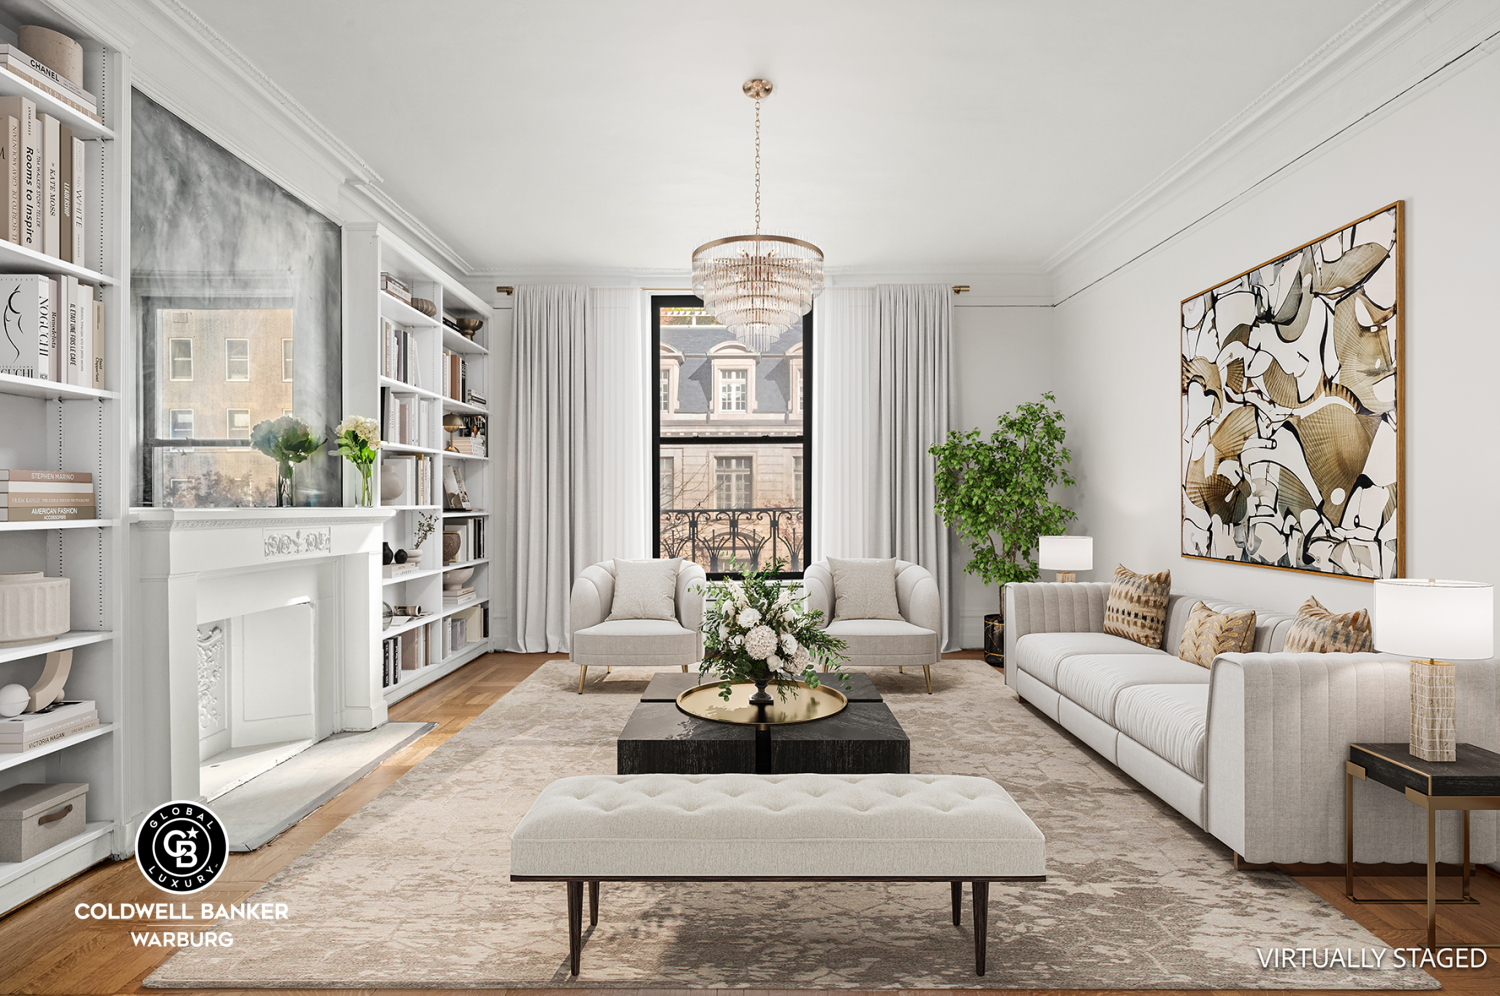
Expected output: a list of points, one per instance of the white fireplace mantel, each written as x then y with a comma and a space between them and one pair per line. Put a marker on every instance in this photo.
200, 565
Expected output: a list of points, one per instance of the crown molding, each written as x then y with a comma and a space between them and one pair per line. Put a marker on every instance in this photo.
268, 88
1359, 37
399, 217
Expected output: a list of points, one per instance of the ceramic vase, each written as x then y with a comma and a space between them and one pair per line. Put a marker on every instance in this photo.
391, 484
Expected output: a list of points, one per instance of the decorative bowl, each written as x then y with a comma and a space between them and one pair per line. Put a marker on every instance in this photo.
468, 326
458, 578
33, 608
425, 306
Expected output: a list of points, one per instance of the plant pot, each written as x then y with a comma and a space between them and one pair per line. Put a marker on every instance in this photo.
33, 608
994, 640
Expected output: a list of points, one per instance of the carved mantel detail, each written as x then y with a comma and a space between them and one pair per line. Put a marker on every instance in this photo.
297, 542
211, 651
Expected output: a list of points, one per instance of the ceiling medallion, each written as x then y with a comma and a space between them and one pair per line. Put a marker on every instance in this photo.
758, 285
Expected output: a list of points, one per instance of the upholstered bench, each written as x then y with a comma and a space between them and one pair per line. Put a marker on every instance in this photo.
776, 828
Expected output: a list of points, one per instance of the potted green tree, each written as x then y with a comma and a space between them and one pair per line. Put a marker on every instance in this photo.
997, 494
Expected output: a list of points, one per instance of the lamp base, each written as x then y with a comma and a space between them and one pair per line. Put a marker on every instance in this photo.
1066, 576
1434, 688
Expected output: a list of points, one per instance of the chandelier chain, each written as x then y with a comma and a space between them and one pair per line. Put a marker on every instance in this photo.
757, 167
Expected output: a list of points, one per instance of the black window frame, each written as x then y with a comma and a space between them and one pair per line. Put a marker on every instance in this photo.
653, 391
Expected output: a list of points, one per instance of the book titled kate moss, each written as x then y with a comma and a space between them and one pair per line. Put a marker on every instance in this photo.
26, 326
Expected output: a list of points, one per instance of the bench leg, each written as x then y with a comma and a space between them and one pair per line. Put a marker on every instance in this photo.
958, 902
981, 923
575, 923
593, 904
583, 670
927, 673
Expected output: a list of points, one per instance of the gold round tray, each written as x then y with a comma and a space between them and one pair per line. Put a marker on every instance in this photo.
809, 704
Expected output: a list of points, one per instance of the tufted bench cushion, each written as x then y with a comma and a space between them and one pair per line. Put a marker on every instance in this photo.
831, 826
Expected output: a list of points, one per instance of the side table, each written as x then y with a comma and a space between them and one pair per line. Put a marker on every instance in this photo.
1470, 782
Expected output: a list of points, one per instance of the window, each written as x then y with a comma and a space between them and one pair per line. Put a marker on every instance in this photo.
732, 486
180, 356
666, 481
729, 492
180, 423
734, 393
237, 423
286, 360
236, 359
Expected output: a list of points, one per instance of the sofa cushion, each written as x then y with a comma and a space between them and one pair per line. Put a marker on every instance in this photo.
870, 640
1209, 634
1094, 681
1319, 631
1039, 654
645, 589
864, 589
647, 640
1169, 720
1137, 606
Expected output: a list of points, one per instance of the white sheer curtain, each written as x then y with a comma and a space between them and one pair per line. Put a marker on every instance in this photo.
624, 453
881, 398
553, 527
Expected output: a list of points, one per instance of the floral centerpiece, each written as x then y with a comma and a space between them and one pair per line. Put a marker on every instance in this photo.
359, 438
759, 630
287, 440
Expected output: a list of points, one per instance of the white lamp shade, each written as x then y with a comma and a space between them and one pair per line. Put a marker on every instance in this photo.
1065, 553
1447, 620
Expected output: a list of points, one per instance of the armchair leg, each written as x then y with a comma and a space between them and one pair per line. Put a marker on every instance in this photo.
927, 673
583, 670
900, 669
684, 669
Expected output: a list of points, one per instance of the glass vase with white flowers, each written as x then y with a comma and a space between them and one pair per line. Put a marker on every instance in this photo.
359, 441
759, 630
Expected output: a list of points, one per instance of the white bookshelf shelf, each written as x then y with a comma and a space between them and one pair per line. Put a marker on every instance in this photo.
451, 609
462, 456
413, 576
22, 879
407, 448
30, 526
479, 562
27, 756
464, 515
461, 344
402, 313
412, 508
19, 259
463, 407
402, 387
412, 681
68, 641
398, 628
83, 126
30, 387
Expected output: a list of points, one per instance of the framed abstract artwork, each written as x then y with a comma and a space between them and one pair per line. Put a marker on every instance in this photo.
1291, 408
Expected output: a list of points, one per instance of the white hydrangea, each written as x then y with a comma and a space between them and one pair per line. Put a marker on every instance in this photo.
775, 663
362, 426
723, 632
749, 617
760, 642
789, 643
801, 659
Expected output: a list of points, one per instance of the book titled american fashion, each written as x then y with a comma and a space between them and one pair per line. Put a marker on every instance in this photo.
48, 513
26, 326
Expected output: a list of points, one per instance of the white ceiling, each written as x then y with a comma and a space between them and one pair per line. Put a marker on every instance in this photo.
577, 135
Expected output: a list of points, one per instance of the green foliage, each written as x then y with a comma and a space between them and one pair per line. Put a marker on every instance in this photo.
287, 440
742, 619
997, 492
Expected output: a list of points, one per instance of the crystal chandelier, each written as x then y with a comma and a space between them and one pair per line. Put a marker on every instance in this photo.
758, 285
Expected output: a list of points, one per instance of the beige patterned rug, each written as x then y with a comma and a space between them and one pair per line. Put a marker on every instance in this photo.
412, 891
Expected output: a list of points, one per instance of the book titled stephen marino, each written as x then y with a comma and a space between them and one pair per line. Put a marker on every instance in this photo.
47, 476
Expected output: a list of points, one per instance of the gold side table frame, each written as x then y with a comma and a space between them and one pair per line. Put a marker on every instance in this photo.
1432, 804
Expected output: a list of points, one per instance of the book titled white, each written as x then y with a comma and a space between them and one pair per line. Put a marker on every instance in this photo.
25, 325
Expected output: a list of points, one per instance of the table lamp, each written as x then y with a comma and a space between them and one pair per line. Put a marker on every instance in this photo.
451, 424
1065, 554
1432, 619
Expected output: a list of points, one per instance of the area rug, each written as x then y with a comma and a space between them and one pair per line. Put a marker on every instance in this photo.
412, 891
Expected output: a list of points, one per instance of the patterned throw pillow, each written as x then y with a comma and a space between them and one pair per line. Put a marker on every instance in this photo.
1209, 634
1137, 607
1318, 631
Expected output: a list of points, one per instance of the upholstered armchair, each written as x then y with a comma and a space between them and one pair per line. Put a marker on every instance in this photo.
911, 641
598, 641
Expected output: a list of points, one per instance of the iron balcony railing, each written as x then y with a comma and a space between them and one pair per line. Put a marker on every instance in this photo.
723, 539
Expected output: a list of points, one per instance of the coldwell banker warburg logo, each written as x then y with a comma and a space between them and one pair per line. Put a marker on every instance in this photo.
181, 847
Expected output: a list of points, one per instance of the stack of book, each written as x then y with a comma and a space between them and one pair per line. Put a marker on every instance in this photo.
36, 729
400, 359
457, 596
42, 171
400, 570
393, 286
49, 81
473, 397
455, 375
53, 330
46, 495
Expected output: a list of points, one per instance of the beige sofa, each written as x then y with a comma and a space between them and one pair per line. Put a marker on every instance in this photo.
1253, 749
911, 641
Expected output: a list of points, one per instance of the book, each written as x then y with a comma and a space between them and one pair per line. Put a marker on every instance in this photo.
21, 72
30, 192
50, 476
30, 722
35, 499
399, 570
72, 354
10, 178
43, 739
45, 71
48, 513
26, 326
65, 183
96, 350
54, 323
393, 286
47, 487
51, 136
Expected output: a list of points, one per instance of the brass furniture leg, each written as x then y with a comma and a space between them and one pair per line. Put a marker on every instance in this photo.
900, 669
927, 673
583, 670
684, 669
1431, 877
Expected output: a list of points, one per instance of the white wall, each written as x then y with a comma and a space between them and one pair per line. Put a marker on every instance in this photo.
1117, 351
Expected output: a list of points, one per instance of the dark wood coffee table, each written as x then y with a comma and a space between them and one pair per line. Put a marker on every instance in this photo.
864, 738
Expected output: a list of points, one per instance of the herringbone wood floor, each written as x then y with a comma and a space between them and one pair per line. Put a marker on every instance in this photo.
44, 948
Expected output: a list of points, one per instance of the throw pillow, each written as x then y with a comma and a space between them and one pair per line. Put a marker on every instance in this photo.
1318, 631
645, 589
864, 589
1209, 634
1137, 606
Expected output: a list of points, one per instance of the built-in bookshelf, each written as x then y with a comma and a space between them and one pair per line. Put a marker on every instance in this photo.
58, 426
417, 372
